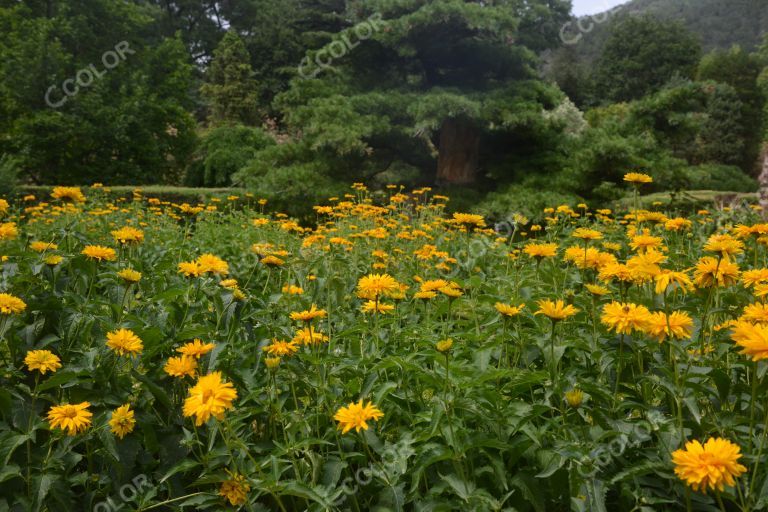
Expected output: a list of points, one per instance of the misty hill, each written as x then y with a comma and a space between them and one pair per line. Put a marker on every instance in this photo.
718, 23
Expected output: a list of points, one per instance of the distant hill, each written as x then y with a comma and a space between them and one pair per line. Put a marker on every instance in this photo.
718, 23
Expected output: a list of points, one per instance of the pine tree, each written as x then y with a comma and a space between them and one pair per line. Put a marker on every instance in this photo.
230, 89
420, 84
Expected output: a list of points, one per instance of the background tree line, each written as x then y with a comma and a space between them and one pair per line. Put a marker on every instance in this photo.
296, 98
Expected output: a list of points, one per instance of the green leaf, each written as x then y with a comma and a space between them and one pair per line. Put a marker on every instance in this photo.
462, 488
44, 483
181, 467
9, 471
158, 392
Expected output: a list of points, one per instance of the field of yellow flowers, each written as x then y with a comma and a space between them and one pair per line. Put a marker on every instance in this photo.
160, 356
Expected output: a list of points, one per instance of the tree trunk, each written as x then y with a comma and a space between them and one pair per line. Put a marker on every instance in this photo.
457, 159
763, 181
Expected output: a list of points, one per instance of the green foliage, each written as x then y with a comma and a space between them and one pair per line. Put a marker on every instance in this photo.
643, 54
9, 175
223, 151
293, 187
384, 102
130, 125
492, 423
740, 70
719, 177
229, 87
524, 200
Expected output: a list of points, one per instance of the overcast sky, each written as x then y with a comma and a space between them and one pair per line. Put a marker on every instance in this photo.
582, 7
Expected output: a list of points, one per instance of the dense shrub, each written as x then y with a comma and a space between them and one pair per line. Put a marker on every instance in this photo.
223, 151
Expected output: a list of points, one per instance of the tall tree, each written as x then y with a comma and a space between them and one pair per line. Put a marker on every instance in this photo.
84, 97
741, 71
230, 88
417, 84
642, 54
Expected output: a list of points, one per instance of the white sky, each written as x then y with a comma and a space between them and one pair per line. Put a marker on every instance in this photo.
583, 7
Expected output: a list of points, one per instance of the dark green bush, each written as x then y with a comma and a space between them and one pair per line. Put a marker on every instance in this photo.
720, 177
224, 151
523, 200
9, 175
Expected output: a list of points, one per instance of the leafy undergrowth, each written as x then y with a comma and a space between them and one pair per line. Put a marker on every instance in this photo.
161, 356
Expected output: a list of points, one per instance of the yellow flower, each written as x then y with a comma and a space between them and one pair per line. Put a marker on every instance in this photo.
645, 267
574, 397
212, 264
753, 339
292, 289
678, 325
725, 245
281, 348
677, 224
356, 415
52, 260
596, 289
309, 336
272, 362
625, 318
124, 341
43, 246
129, 275
99, 252
613, 271
587, 234
637, 178
757, 313
209, 397
230, 284
122, 421
433, 285
711, 272
4, 206
508, 309
73, 194
761, 289
11, 305
42, 361
235, 489
128, 235
195, 348
666, 278
372, 306
190, 268
644, 242
556, 310
468, 219
444, 345
272, 261
540, 251
181, 366
754, 277
309, 314
376, 285
711, 466
453, 290
72, 418
8, 231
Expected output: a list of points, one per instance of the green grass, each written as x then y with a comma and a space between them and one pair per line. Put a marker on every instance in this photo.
159, 191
